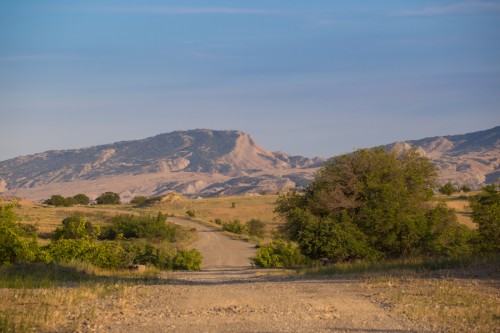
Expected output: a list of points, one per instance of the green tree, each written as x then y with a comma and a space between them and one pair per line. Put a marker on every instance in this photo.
367, 204
447, 189
486, 213
57, 200
76, 226
108, 198
81, 199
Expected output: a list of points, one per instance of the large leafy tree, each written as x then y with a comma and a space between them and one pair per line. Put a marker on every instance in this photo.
108, 198
369, 204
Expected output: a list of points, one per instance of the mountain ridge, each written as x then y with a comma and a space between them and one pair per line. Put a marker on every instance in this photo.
205, 162
471, 158
230, 154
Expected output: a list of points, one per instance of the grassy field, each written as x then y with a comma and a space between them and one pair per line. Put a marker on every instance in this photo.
241, 208
46, 297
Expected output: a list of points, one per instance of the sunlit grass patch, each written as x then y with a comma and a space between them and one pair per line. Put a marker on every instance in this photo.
42, 297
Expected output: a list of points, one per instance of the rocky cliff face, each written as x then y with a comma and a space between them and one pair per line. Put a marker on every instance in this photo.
232, 155
472, 158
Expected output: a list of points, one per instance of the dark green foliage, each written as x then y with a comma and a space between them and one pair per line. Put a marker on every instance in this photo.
444, 236
57, 200
76, 226
279, 254
465, 188
138, 200
16, 245
448, 189
486, 213
100, 254
188, 260
371, 204
218, 221
156, 255
81, 199
256, 228
190, 213
334, 237
131, 226
108, 198
235, 226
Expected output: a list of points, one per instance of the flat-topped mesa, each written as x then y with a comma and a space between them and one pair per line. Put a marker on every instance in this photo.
207, 151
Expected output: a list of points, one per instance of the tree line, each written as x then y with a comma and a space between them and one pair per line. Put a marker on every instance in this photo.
106, 198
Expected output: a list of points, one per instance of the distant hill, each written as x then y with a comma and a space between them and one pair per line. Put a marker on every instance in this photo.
211, 163
472, 158
197, 162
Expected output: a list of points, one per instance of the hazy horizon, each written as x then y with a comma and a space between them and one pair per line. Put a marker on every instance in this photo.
309, 78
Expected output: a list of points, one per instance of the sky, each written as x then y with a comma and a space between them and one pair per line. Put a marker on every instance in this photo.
311, 78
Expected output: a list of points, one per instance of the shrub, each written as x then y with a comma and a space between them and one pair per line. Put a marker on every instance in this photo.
131, 226
190, 213
76, 226
188, 260
108, 198
448, 189
138, 200
218, 221
101, 254
279, 254
235, 226
16, 245
465, 188
256, 228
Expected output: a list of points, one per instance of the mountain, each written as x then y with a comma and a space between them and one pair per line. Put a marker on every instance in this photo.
472, 158
196, 163
211, 163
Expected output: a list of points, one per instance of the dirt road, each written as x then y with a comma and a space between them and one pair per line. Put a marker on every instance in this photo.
219, 251
228, 295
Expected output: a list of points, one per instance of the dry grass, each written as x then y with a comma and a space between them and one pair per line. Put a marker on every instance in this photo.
48, 309
38, 297
245, 208
436, 304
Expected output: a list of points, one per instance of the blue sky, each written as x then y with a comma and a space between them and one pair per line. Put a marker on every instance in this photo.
315, 78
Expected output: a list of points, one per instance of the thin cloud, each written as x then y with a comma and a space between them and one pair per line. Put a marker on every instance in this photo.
189, 10
462, 7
